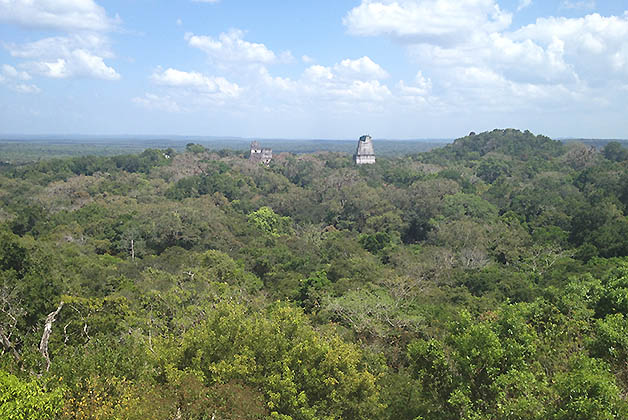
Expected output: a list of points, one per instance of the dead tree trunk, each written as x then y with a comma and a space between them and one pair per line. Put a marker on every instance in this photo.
45, 337
7, 343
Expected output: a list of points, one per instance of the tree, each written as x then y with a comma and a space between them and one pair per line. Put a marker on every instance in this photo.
615, 151
491, 169
21, 400
194, 148
588, 392
611, 343
269, 222
300, 374
480, 368
602, 225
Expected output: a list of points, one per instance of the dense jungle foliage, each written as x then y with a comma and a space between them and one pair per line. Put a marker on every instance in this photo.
487, 279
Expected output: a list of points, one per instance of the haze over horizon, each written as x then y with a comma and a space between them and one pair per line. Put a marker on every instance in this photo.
335, 69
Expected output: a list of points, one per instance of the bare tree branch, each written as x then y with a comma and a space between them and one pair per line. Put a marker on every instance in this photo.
7, 343
43, 345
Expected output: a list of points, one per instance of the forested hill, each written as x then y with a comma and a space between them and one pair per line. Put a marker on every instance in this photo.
509, 142
484, 280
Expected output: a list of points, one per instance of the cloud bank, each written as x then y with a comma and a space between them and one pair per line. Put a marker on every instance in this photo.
79, 50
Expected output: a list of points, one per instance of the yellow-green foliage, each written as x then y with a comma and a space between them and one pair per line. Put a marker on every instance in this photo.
22, 400
269, 222
301, 374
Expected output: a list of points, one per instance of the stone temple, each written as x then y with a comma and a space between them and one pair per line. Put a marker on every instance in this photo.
259, 155
365, 154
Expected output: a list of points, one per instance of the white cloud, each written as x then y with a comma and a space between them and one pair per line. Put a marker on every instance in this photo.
523, 60
26, 88
64, 57
81, 63
583, 5
575, 52
523, 4
370, 91
477, 62
14, 79
471, 61
66, 15
441, 21
347, 82
421, 86
594, 47
11, 72
346, 86
197, 81
61, 46
79, 51
275, 83
318, 72
487, 90
182, 91
230, 47
161, 103
362, 69
286, 57
349, 79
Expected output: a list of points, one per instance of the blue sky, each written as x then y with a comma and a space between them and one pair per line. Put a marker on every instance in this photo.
314, 69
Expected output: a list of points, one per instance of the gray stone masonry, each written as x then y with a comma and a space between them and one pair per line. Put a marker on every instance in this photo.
365, 153
259, 155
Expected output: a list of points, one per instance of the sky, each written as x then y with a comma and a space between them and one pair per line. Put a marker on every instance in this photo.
314, 68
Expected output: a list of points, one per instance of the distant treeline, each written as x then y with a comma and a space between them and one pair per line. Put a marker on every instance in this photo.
29, 150
597, 143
